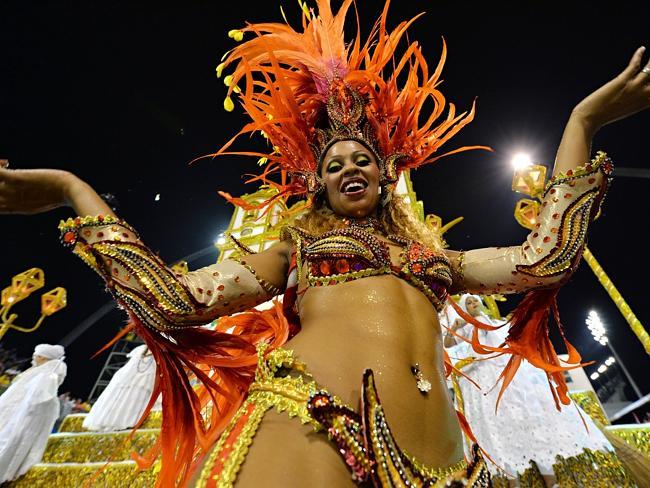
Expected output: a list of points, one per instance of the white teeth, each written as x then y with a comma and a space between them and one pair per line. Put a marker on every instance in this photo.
353, 187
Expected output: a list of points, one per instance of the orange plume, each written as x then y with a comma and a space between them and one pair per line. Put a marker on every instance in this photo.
288, 76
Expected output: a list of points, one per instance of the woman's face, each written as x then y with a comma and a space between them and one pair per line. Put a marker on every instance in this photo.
473, 306
351, 177
38, 360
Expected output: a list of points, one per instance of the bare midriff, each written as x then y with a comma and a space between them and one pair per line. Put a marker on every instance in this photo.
387, 325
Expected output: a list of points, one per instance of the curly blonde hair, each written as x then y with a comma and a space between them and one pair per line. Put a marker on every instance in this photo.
395, 218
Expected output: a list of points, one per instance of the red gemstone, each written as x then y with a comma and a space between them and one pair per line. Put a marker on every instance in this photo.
69, 237
417, 268
342, 266
220, 287
321, 402
325, 268
350, 459
100, 234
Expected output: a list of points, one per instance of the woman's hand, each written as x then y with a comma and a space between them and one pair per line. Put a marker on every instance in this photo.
449, 338
458, 323
32, 191
625, 95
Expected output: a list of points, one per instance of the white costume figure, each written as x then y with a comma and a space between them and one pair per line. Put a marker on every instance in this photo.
527, 425
122, 403
28, 410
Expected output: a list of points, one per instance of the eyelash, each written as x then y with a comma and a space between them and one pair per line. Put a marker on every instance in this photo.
334, 167
361, 161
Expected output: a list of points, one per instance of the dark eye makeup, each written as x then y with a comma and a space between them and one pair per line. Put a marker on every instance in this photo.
334, 166
362, 160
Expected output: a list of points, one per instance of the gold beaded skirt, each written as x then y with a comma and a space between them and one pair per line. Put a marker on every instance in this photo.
364, 440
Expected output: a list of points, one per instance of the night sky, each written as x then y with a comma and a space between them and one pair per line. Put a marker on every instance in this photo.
124, 94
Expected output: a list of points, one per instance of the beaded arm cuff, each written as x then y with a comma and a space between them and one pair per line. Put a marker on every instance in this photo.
553, 248
148, 288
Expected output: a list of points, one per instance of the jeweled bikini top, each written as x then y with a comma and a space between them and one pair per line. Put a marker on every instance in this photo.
351, 253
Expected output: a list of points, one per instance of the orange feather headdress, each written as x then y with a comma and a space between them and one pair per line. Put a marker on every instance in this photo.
305, 90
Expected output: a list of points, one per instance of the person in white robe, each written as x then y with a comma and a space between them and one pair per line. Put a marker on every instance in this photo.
527, 425
125, 398
28, 410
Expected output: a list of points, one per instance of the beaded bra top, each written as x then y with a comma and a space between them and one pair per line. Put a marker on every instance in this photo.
351, 253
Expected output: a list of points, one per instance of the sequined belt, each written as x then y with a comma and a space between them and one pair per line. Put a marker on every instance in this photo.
364, 441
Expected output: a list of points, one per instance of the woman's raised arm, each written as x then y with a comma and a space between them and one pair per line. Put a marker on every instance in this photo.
136, 276
571, 200
31, 191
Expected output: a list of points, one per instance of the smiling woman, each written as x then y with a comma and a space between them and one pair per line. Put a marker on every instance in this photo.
351, 176
353, 186
362, 278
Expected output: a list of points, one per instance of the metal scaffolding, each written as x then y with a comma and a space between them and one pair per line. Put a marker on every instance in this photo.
115, 360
